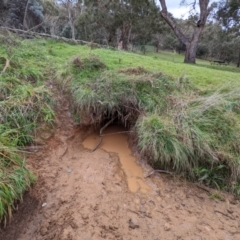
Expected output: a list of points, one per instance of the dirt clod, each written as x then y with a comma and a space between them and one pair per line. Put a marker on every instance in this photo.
133, 224
167, 227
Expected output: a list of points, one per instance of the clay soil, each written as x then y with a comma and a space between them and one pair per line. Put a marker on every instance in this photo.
83, 195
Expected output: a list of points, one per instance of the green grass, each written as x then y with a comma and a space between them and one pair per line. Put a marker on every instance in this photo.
24, 102
203, 75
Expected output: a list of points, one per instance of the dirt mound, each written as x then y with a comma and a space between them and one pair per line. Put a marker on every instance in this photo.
84, 195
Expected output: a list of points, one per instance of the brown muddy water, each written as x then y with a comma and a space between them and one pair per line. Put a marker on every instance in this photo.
118, 143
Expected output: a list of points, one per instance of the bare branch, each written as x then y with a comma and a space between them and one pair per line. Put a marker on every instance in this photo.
101, 131
192, 41
171, 23
25, 15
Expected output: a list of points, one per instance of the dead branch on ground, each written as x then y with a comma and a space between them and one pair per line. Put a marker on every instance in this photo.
159, 171
44, 35
117, 133
203, 187
101, 130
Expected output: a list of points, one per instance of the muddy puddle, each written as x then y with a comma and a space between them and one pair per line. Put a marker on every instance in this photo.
118, 143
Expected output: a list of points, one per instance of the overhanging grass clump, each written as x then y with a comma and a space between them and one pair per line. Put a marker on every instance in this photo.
15, 178
24, 102
22, 107
177, 129
200, 140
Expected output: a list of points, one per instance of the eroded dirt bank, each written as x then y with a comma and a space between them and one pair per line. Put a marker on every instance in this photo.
86, 197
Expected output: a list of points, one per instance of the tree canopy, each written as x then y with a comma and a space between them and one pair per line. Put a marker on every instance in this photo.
212, 32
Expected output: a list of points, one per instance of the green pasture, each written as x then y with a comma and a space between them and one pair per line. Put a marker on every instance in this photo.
203, 75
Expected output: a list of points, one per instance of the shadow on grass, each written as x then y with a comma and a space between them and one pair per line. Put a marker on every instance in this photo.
219, 67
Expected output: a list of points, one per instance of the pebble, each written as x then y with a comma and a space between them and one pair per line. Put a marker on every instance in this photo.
167, 227
133, 224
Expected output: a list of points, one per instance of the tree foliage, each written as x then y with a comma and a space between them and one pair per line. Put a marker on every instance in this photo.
23, 14
135, 23
229, 16
191, 42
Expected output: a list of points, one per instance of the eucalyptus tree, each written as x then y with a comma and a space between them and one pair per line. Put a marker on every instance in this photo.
118, 20
52, 17
3, 11
24, 14
190, 41
229, 16
72, 9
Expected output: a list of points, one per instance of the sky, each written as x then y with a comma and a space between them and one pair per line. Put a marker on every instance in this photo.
175, 8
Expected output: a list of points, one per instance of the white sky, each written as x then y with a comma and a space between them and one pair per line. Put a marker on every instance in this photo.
174, 7
179, 12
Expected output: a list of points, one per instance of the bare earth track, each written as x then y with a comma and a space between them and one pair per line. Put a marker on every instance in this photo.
87, 198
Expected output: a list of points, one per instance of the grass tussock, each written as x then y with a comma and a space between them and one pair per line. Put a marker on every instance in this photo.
177, 127
24, 102
200, 140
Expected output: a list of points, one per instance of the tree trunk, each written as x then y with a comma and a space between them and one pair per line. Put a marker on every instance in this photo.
52, 30
238, 63
157, 46
124, 37
191, 50
192, 42
129, 34
73, 31
71, 21
25, 27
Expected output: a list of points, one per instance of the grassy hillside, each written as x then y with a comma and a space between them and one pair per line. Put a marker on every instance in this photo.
24, 102
185, 117
203, 75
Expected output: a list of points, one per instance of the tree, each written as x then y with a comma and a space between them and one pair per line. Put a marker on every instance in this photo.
229, 16
24, 14
52, 22
71, 8
108, 21
3, 11
191, 42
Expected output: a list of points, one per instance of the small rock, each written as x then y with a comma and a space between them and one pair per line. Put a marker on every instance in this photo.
69, 170
132, 224
63, 200
230, 211
43, 231
46, 134
39, 141
167, 227
44, 204
85, 216
113, 228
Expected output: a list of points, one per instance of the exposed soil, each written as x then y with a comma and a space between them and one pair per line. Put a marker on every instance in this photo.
84, 195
